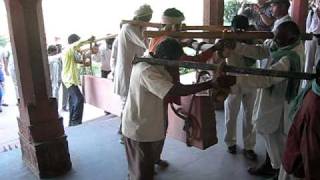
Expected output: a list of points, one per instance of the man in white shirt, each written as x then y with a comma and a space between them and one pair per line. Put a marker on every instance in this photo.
143, 121
55, 68
102, 53
233, 102
312, 47
11, 69
274, 94
131, 43
280, 12
105, 63
113, 58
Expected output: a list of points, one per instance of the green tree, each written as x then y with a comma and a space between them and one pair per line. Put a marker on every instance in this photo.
230, 10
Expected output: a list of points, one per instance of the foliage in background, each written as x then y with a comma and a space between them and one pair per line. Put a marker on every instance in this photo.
231, 8
3, 41
183, 71
95, 69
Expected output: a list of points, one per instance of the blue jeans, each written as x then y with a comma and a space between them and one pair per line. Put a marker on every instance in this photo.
76, 101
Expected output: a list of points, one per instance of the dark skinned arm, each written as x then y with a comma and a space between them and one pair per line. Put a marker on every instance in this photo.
184, 90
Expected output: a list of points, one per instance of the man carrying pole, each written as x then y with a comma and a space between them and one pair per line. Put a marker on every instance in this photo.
144, 114
130, 44
274, 94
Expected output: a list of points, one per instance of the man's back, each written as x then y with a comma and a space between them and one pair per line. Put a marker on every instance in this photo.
143, 116
70, 73
130, 44
55, 67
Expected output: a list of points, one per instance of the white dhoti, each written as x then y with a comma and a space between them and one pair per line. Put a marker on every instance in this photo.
232, 107
312, 51
275, 143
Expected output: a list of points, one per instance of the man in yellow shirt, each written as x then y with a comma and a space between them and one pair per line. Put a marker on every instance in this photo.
71, 79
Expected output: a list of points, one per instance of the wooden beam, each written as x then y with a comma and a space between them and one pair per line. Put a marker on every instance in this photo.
100, 39
141, 23
218, 34
106, 37
184, 27
205, 28
226, 68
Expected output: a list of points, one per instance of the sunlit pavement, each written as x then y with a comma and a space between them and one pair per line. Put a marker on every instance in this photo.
8, 118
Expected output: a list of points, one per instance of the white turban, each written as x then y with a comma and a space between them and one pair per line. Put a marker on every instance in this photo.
171, 20
144, 10
172, 16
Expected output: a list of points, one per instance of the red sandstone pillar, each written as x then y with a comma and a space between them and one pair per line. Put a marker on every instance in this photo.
300, 13
43, 141
213, 12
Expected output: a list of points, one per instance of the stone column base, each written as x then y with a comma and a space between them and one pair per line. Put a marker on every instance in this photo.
46, 159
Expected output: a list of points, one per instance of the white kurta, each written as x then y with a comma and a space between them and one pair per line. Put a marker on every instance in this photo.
114, 53
55, 68
144, 113
130, 44
269, 107
312, 47
280, 21
103, 56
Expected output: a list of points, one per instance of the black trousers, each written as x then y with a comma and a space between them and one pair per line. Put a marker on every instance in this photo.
65, 96
76, 102
104, 74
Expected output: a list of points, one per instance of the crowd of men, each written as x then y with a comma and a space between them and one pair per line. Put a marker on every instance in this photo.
283, 111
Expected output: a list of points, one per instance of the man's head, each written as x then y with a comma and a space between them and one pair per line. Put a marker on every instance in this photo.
73, 38
144, 13
52, 50
286, 34
95, 48
279, 8
239, 23
109, 43
172, 18
59, 48
169, 49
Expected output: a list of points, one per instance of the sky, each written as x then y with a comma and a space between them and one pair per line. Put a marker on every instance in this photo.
100, 17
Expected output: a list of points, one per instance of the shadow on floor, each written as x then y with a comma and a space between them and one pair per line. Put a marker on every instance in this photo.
97, 155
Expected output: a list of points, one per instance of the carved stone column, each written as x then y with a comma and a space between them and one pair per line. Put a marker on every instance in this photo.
43, 141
